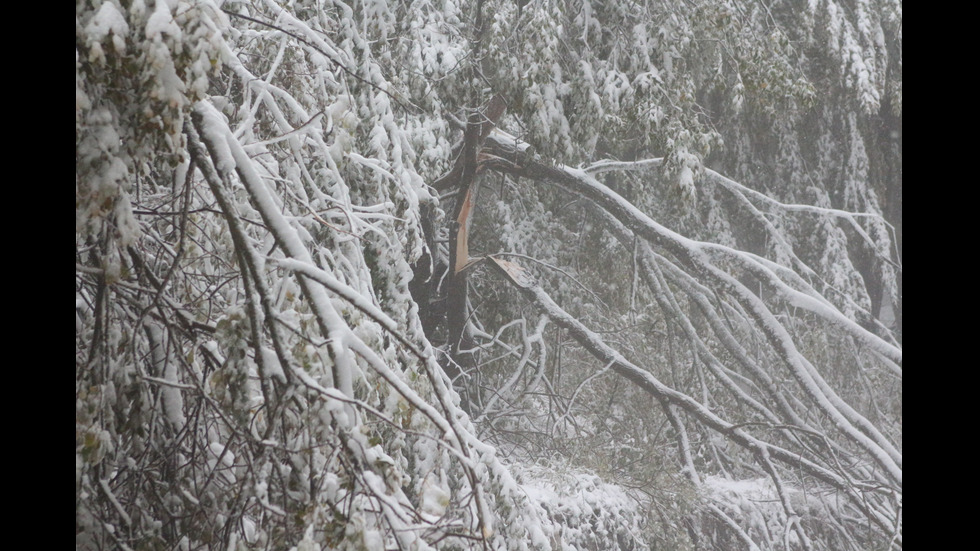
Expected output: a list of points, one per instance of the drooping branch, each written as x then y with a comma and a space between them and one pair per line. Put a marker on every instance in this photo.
505, 155
606, 355
231, 164
858, 492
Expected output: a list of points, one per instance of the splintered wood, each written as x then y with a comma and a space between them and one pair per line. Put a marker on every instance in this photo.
514, 273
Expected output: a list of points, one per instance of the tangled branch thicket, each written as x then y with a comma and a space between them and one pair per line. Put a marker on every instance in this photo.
339, 284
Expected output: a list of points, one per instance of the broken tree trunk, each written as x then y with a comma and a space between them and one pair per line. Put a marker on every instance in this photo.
461, 181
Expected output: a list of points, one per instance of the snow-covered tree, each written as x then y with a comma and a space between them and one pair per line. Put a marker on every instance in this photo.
511, 275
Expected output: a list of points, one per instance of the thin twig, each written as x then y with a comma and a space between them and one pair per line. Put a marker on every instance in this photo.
338, 64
